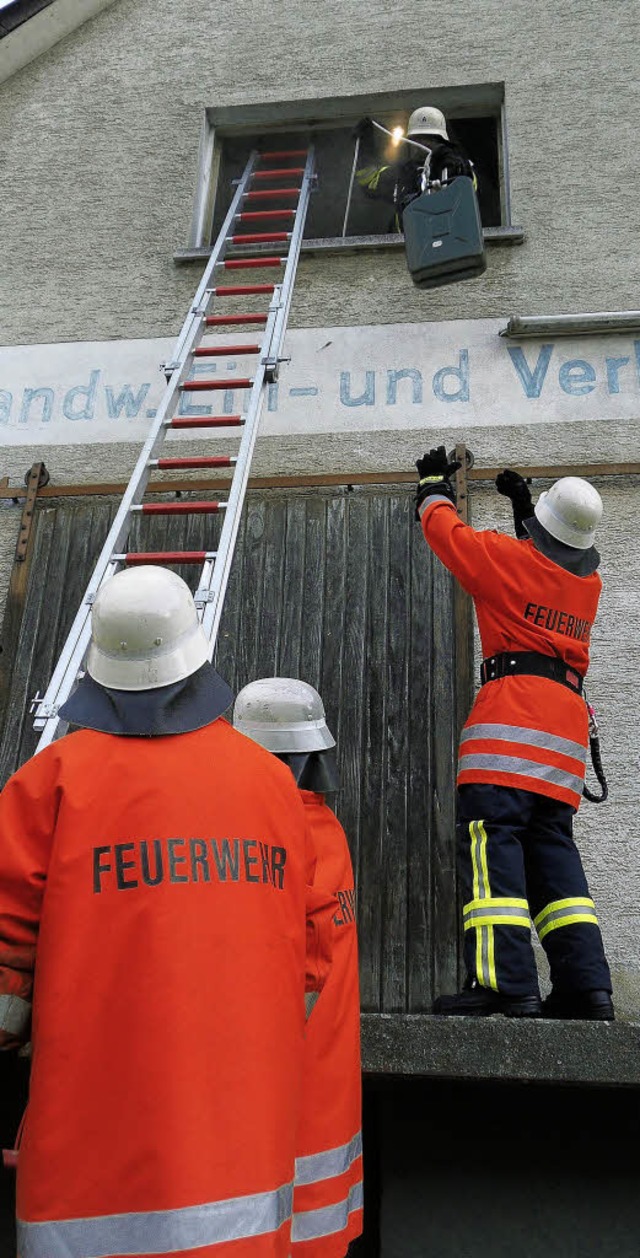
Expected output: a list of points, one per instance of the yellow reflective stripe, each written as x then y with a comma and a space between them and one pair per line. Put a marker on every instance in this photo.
474, 862
483, 857
574, 902
501, 920
493, 977
570, 920
503, 900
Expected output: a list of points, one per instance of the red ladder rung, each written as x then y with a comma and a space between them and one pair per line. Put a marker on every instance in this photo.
212, 460
165, 556
275, 156
272, 193
216, 321
276, 173
247, 264
209, 421
198, 386
219, 351
258, 238
251, 216
180, 508
239, 290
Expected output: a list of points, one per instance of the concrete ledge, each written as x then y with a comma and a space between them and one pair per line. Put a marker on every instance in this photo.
360, 244
597, 1053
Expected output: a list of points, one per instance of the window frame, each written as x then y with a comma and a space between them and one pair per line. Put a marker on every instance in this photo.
480, 100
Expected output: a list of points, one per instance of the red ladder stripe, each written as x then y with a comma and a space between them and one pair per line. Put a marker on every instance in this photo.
275, 156
277, 173
271, 192
215, 321
197, 386
213, 460
180, 508
219, 351
238, 290
250, 216
258, 238
247, 264
168, 556
209, 421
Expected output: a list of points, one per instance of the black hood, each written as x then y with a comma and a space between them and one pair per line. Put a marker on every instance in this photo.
580, 562
180, 708
315, 771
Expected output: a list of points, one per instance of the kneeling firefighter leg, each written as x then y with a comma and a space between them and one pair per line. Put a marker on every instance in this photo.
502, 974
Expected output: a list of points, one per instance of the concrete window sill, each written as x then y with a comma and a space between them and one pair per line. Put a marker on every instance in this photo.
360, 244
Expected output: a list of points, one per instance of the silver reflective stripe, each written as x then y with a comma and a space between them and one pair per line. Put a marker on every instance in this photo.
532, 737
433, 498
309, 1225
492, 762
329, 1163
158, 1231
14, 1014
493, 915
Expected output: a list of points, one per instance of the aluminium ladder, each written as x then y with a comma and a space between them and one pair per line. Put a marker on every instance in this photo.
215, 565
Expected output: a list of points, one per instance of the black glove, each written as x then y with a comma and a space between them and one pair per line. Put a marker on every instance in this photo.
512, 485
434, 470
363, 129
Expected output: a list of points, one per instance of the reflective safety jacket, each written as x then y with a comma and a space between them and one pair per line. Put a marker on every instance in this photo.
328, 1182
527, 732
159, 885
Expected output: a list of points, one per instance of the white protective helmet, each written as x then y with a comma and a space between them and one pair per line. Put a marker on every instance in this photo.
427, 121
282, 714
570, 511
145, 631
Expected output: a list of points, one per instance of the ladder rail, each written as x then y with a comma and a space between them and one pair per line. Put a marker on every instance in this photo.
216, 580
217, 564
77, 641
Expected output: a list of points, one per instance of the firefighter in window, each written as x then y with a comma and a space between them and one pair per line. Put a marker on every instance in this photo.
430, 159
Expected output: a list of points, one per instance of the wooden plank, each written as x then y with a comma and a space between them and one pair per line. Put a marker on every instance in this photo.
351, 699
273, 561
313, 591
422, 728
295, 562
374, 749
444, 921
334, 609
320, 480
397, 803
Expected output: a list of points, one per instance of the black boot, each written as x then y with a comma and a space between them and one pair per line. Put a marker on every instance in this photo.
592, 1006
480, 1002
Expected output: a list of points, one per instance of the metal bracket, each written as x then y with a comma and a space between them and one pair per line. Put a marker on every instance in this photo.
203, 596
37, 477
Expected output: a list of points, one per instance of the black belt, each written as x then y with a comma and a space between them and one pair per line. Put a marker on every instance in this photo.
512, 663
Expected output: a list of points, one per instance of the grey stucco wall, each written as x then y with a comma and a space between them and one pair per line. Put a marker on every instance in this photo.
99, 141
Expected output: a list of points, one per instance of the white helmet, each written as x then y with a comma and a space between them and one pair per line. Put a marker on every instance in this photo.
145, 631
282, 714
427, 121
570, 511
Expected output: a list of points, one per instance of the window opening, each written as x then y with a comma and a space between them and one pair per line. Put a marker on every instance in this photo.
478, 137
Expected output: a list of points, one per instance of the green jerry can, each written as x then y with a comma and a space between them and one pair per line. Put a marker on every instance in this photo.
443, 235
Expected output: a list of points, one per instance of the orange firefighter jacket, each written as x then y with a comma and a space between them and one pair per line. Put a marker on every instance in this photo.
523, 731
327, 1209
159, 887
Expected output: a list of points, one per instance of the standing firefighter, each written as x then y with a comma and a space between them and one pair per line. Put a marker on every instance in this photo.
287, 717
153, 869
524, 747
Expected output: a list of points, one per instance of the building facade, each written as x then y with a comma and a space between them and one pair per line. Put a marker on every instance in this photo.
121, 125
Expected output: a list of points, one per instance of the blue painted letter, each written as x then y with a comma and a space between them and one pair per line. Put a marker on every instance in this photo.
367, 398
126, 401
36, 395
407, 373
460, 373
613, 367
6, 400
87, 394
532, 381
577, 377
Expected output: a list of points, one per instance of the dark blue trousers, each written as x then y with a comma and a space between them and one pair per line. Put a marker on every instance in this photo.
518, 863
